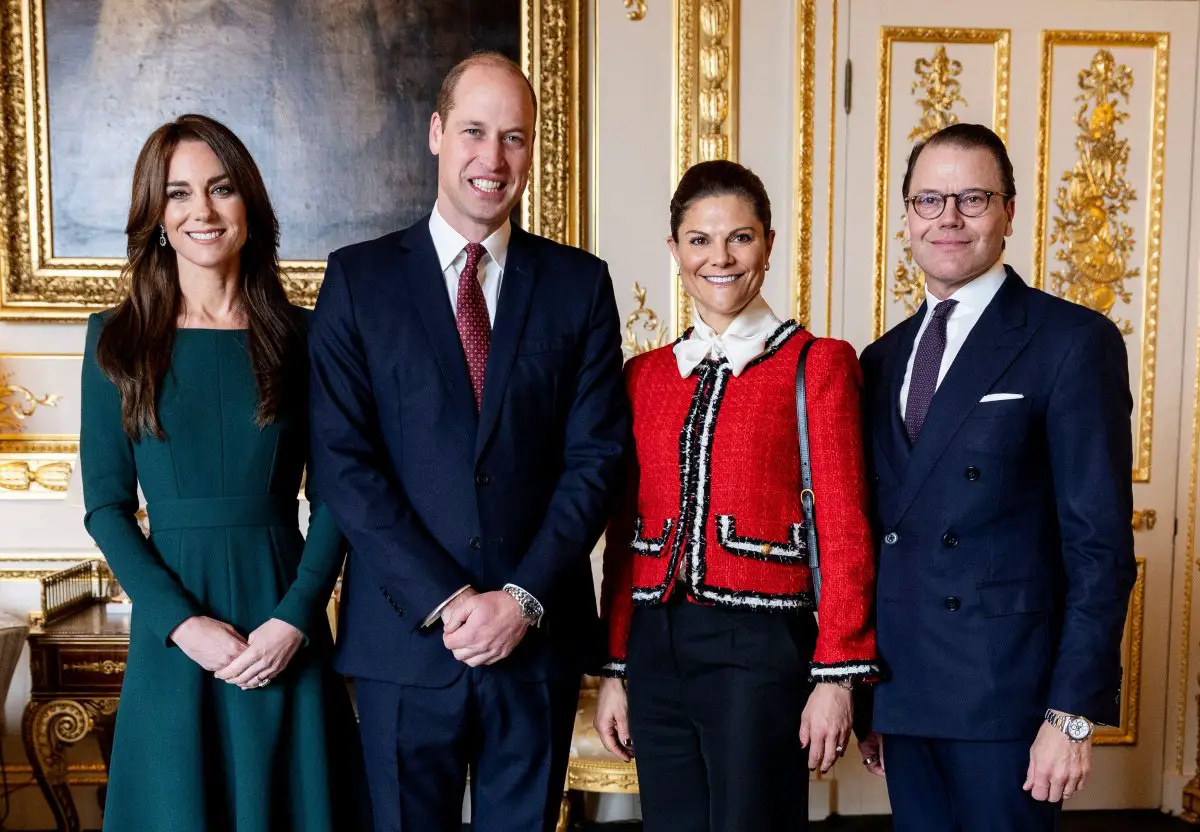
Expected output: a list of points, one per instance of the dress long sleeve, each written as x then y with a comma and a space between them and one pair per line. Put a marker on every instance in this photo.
110, 498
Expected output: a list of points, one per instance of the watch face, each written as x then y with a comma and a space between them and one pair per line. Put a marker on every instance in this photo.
1078, 729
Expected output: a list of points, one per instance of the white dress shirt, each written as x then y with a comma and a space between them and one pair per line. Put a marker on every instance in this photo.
744, 340
451, 250
972, 300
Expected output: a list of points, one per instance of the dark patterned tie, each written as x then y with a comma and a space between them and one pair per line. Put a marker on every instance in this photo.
926, 367
474, 328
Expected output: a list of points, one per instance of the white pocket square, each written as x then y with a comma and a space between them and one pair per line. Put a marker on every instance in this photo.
1000, 397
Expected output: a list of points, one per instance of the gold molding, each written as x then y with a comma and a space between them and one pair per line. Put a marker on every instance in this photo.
1160, 43
36, 466
806, 60
613, 777
635, 9
653, 331
889, 35
1190, 566
35, 285
704, 99
833, 117
1127, 732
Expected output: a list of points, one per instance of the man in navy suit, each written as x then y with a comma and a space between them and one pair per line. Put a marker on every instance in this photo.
468, 424
999, 436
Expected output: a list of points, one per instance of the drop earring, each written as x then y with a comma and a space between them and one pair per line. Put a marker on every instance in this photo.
162, 236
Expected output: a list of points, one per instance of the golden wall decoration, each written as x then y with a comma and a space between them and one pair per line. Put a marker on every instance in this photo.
36, 465
937, 77
806, 58
635, 9
35, 283
1096, 243
1183, 665
1127, 732
999, 39
19, 403
652, 332
1159, 42
705, 99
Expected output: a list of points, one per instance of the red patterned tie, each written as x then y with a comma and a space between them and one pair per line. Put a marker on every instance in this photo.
474, 328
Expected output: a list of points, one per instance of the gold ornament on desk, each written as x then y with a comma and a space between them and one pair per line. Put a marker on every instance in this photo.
1096, 244
937, 76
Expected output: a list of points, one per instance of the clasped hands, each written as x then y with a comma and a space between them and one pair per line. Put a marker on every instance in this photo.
250, 662
481, 628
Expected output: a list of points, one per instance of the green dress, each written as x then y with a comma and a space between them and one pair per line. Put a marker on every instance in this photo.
192, 753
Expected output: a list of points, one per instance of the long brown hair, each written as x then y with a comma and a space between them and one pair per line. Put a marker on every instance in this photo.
136, 344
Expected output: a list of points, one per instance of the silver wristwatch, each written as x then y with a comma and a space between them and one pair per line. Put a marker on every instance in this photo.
1075, 728
531, 608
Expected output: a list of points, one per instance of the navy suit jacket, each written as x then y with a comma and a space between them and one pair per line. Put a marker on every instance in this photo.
433, 495
1005, 548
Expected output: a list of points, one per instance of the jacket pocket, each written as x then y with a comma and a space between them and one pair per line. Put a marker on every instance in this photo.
1014, 598
792, 551
650, 546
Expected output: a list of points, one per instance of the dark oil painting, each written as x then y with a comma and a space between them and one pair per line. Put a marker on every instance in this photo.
333, 98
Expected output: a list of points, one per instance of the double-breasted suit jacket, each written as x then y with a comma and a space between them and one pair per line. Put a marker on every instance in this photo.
1005, 548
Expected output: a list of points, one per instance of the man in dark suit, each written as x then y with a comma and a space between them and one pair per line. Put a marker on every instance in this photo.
999, 436
468, 424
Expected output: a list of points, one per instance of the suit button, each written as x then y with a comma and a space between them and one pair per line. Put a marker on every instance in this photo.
952, 604
891, 538
972, 473
482, 479
949, 540
476, 543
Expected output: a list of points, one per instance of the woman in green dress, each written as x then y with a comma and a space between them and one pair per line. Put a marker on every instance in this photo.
195, 388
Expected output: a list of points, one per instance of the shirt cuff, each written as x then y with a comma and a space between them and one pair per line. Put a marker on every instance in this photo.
433, 616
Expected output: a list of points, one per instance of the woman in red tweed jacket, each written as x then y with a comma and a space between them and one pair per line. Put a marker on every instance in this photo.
733, 693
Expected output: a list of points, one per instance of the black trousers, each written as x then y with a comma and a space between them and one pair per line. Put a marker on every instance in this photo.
513, 735
715, 698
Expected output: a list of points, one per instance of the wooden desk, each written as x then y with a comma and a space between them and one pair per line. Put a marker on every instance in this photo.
77, 664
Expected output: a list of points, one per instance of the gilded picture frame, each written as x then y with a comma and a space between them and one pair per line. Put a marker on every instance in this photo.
37, 282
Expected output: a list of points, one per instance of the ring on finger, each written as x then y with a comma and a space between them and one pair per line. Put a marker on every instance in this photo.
839, 749
263, 683
870, 761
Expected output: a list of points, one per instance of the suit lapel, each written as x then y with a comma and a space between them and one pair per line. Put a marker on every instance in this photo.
427, 287
994, 342
516, 294
892, 437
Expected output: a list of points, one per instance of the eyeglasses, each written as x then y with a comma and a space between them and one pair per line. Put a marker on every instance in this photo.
972, 202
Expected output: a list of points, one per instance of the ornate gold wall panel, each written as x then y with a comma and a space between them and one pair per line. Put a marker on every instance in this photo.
1103, 238
36, 284
1183, 665
999, 39
1127, 732
705, 96
806, 71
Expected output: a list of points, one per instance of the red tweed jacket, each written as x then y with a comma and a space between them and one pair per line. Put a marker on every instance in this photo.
712, 506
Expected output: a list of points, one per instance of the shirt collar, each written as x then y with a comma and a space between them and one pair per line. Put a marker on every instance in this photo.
974, 297
449, 244
744, 340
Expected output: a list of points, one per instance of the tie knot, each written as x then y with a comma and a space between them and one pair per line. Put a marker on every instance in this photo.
942, 310
475, 252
